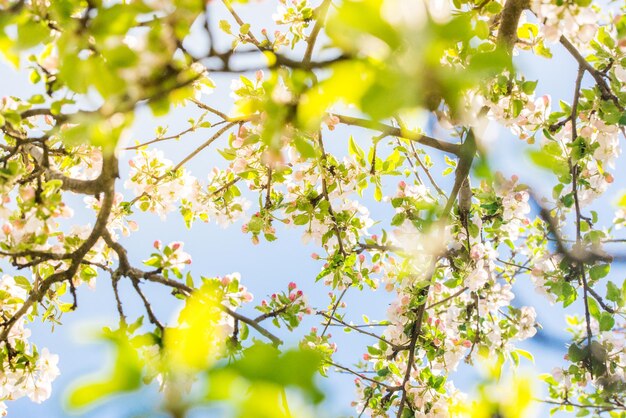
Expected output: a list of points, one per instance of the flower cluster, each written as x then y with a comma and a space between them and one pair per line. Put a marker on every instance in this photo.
288, 308
297, 16
25, 371
568, 19
156, 184
169, 258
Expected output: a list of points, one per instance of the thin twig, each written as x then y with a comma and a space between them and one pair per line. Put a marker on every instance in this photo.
320, 16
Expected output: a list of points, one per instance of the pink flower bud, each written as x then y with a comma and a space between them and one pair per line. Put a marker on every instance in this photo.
402, 184
331, 122
315, 256
157, 244
366, 357
27, 193
292, 286
176, 245
361, 258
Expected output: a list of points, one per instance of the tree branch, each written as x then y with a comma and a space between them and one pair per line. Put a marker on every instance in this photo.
401, 133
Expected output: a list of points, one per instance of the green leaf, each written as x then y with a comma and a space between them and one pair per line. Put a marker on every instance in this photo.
568, 200
551, 158
594, 309
356, 19
606, 321
125, 376
23, 282
354, 148
160, 107
482, 29
34, 77
599, 271
373, 350
304, 147
613, 292
255, 225
576, 353
30, 34
194, 344
301, 219
528, 87
295, 368
244, 29
378, 193
525, 354
225, 26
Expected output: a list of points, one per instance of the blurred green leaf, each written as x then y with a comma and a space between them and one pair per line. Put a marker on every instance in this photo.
292, 368
125, 375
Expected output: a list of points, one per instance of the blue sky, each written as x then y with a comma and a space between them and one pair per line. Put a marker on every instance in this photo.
268, 266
